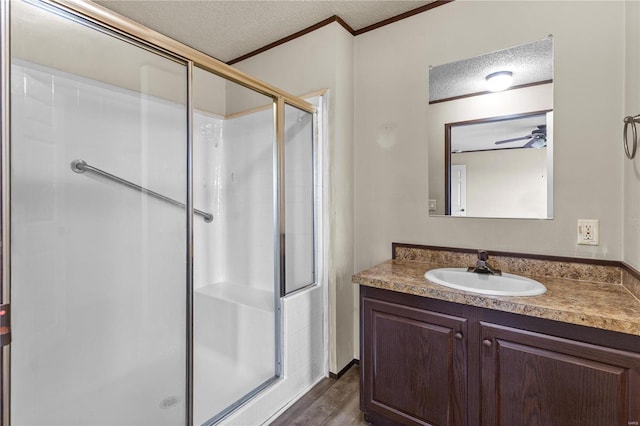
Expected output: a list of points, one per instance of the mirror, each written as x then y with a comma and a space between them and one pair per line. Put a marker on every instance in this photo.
491, 152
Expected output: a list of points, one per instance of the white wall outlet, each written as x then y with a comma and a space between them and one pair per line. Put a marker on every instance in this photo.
432, 205
589, 232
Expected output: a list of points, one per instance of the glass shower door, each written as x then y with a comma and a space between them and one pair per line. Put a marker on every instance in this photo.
235, 299
98, 260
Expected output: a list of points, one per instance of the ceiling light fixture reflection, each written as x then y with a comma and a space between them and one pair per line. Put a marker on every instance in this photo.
499, 81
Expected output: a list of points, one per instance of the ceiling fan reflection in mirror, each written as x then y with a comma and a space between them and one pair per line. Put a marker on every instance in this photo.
537, 139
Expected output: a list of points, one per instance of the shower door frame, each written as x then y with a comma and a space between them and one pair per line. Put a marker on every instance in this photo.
5, 173
144, 36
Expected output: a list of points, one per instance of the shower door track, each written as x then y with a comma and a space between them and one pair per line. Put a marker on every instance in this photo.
81, 166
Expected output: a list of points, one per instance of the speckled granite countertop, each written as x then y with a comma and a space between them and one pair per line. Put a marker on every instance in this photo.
605, 305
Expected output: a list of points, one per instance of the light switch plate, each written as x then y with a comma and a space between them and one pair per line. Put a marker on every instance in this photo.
432, 205
589, 232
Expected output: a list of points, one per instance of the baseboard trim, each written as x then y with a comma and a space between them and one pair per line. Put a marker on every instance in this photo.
345, 369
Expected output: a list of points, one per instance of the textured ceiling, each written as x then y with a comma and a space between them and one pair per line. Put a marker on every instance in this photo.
483, 136
529, 63
229, 29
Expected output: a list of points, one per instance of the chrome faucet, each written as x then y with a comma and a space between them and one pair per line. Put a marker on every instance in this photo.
482, 267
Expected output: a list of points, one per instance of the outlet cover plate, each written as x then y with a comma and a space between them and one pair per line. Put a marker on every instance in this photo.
589, 232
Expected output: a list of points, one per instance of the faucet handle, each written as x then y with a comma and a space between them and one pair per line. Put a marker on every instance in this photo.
483, 255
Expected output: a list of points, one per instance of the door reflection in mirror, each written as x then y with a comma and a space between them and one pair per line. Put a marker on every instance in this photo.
458, 197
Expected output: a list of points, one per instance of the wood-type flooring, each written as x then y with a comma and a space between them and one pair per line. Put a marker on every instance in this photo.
329, 403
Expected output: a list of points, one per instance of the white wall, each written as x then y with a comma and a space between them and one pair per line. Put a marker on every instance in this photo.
390, 67
505, 182
391, 180
631, 176
391, 87
324, 59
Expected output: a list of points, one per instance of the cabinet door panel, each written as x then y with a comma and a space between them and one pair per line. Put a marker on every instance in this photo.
532, 379
414, 364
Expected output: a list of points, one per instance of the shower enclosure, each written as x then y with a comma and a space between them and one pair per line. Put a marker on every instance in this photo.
146, 193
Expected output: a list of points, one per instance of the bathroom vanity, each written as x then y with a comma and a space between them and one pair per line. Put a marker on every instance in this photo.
431, 355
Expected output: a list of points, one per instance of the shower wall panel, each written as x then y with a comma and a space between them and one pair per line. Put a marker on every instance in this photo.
305, 358
234, 344
209, 192
233, 179
248, 186
98, 268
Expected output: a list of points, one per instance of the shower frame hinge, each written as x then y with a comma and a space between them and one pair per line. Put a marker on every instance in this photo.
5, 325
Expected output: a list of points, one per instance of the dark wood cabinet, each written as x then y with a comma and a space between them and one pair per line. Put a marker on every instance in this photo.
534, 379
416, 364
429, 362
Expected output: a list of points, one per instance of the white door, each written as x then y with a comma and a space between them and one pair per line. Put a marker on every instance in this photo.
458, 190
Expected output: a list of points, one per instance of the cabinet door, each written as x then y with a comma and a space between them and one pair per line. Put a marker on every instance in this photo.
414, 365
533, 379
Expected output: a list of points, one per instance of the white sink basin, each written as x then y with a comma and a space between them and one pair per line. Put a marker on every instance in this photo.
495, 285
